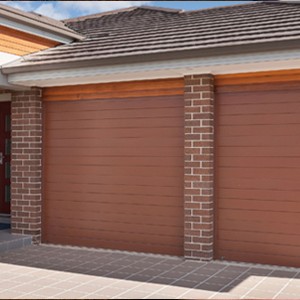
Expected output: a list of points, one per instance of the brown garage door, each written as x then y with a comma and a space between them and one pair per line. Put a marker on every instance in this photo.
258, 173
113, 175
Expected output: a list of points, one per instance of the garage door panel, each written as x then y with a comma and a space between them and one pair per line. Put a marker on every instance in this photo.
104, 225
263, 162
114, 172
257, 216
261, 248
261, 226
115, 133
106, 170
118, 123
118, 180
114, 151
151, 113
90, 219
268, 195
71, 161
117, 189
259, 205
122, 103
260, 119
259, 130
259, 108
262, 141
115, 142
78, 209
121, 236
115, 198
260, 237
258, 171
263, 184
263, 97
81, 240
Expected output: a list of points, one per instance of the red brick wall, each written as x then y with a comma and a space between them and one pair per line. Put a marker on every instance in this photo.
26, 163
198, 178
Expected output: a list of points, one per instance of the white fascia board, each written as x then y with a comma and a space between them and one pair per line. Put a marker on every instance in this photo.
35, 31
6, 58
4, 84
226, 64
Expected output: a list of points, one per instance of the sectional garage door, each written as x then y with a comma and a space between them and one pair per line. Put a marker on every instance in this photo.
258, 173
113, 166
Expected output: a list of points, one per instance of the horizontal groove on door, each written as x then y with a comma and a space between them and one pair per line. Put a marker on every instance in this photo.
258, 171
113, 175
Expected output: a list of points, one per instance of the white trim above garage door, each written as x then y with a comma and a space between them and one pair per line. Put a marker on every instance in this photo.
225, 64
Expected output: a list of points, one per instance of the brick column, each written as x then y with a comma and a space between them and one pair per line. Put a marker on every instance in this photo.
199, 166
26, 163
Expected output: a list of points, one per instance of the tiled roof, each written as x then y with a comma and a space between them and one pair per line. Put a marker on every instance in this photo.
37, 20
145, 30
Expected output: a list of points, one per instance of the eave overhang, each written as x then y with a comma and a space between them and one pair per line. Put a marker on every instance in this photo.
279, 56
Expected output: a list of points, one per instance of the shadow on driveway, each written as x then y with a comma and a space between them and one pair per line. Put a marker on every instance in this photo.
213, 279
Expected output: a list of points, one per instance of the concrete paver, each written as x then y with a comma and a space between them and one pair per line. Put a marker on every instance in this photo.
46, 271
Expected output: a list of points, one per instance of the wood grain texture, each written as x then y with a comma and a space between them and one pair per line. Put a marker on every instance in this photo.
258, 171
257, 78
20, 43
113, 170
117, 90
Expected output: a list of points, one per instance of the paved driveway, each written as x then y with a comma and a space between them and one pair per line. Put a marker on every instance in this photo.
54, 272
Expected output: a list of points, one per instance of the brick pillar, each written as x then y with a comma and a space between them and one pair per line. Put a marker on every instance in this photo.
26, 163
199, 166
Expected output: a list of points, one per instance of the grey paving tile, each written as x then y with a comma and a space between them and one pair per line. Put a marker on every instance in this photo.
151, 272
109, 292
11, 294
195, 277
87, 288
283, 274
132, 295
26, 288
149, 287
44, 281
24, 278
225, 296
197, 294
119, 275
158, 296
271, 286
173, 291
185, 283
125, 284
70, 295
223, 281
140, 277
173, 275
214, 287
162, 280
287, 296
47, 292
292, 288
154, 259
144, 265
30, 296
257, 294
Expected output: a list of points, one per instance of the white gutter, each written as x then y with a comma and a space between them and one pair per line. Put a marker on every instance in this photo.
4, 59
225, 64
